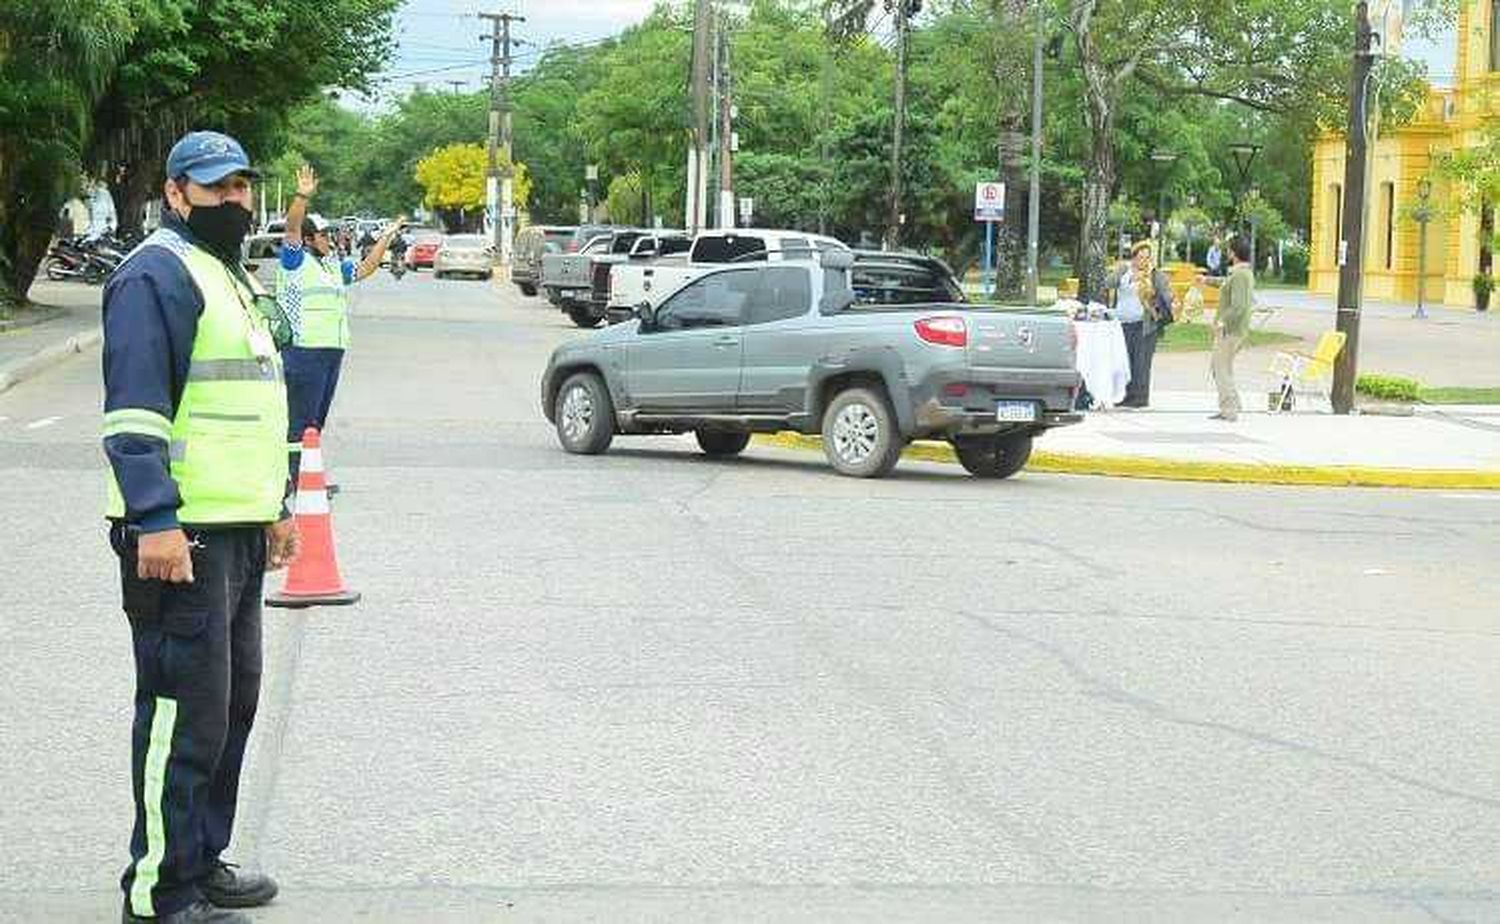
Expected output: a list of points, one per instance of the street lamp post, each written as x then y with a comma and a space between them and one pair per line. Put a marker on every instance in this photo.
1192, 204
1244, 153
1254, 221
1423, 214
1166, 159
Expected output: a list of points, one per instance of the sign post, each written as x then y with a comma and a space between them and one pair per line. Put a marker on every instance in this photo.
989, 207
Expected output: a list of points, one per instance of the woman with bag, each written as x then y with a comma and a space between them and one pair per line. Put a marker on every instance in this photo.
1142, 303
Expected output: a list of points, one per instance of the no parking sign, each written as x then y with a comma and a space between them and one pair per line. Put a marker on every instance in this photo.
989, 202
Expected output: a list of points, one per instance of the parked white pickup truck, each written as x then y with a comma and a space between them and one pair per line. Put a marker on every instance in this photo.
633, 284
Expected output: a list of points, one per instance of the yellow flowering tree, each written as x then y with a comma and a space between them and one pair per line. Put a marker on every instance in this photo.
453, 181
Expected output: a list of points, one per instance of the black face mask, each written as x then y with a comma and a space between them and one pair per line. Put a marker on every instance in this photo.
222, 227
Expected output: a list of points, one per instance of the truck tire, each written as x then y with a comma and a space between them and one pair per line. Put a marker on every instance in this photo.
722, 443
583, 315
860, 436
997, 456
585, 415
527, 289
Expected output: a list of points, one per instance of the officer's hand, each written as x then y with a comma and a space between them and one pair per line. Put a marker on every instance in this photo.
307, 180
283, 543
164, 556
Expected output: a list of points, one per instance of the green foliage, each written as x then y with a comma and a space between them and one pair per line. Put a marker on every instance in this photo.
1294, 261
1483, 284
239, 66
56, 57
1387, 387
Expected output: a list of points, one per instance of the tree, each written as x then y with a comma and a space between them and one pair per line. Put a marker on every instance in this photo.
454, 178
55, 59
635, 119
239, 66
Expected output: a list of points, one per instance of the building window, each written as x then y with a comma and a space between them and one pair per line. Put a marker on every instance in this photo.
1388, 204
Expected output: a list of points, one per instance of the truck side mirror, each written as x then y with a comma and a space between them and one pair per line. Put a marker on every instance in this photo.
647, 314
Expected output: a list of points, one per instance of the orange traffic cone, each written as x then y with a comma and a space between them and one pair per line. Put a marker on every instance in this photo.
313, 579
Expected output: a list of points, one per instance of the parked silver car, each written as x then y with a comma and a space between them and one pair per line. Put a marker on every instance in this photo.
464, 254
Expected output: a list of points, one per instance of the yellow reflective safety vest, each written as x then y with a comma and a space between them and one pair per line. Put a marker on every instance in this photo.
227, 442
321, 302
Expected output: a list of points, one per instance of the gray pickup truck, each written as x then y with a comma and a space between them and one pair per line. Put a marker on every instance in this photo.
789, 346
568, 278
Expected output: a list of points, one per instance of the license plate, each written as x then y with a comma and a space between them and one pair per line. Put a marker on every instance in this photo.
1011, 411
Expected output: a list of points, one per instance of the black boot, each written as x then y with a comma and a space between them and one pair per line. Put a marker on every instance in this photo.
229, 887
199, 912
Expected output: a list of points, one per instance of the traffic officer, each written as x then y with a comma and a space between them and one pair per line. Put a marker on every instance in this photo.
314, 297
194, 428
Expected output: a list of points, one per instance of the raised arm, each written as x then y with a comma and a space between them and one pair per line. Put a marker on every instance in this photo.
377, 253
307, 187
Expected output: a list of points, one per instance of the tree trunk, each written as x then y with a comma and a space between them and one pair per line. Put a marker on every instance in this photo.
131, 186
1099, 181
29, 202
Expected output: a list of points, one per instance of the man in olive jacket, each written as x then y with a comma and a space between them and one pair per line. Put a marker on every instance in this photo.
1232, 326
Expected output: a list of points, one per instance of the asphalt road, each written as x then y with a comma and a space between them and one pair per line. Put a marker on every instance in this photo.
648, 686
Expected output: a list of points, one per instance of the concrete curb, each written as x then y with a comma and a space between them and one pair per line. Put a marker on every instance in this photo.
20, 370
1339, 476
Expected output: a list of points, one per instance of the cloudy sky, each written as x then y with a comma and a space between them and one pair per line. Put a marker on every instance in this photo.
439, 39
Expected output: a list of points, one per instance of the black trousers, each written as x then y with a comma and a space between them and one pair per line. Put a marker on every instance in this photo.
1141, 347
197, 681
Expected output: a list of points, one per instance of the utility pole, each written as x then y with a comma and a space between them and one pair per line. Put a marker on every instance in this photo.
1352, 237
726, 130
1034, 200
893, 228
697, 163
826, 156
500, 198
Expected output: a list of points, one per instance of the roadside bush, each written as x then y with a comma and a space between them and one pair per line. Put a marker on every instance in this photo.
1294, 263
1388, 387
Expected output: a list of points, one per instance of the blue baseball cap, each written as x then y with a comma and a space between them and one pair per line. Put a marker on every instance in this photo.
208, 157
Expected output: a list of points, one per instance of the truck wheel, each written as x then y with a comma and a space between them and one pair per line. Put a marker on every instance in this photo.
721, 443
585, 415
859, 434
527, 289
997, 456
583, 316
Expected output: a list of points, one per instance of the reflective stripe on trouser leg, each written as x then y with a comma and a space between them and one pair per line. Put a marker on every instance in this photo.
154, 785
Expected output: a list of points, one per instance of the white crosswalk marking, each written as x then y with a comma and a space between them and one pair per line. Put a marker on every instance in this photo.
44, 422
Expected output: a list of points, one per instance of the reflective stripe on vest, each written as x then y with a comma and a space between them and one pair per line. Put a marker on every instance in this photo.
227, 442
324, 310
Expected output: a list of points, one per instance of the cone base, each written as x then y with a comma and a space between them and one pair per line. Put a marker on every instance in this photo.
288, 601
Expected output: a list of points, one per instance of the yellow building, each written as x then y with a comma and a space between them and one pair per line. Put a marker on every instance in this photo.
1452, 119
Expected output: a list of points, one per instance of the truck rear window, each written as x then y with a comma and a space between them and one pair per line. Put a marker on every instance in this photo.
730, 248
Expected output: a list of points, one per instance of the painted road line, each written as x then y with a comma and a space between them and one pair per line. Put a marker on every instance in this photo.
44, 422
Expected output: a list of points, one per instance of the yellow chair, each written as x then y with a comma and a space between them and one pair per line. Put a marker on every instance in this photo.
1308, 372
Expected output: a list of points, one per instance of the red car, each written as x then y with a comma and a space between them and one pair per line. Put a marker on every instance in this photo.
423, 249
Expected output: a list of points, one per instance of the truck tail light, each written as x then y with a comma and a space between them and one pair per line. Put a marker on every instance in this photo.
944, 331
1073, 336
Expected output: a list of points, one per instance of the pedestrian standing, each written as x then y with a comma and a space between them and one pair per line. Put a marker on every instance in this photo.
1214, 260
1142, 301
1232, 325
312, 288
194, 425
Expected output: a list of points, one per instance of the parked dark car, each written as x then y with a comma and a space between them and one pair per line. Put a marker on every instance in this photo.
533, 243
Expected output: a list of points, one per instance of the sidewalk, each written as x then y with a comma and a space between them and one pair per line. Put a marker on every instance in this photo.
1448, 447
66, 322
